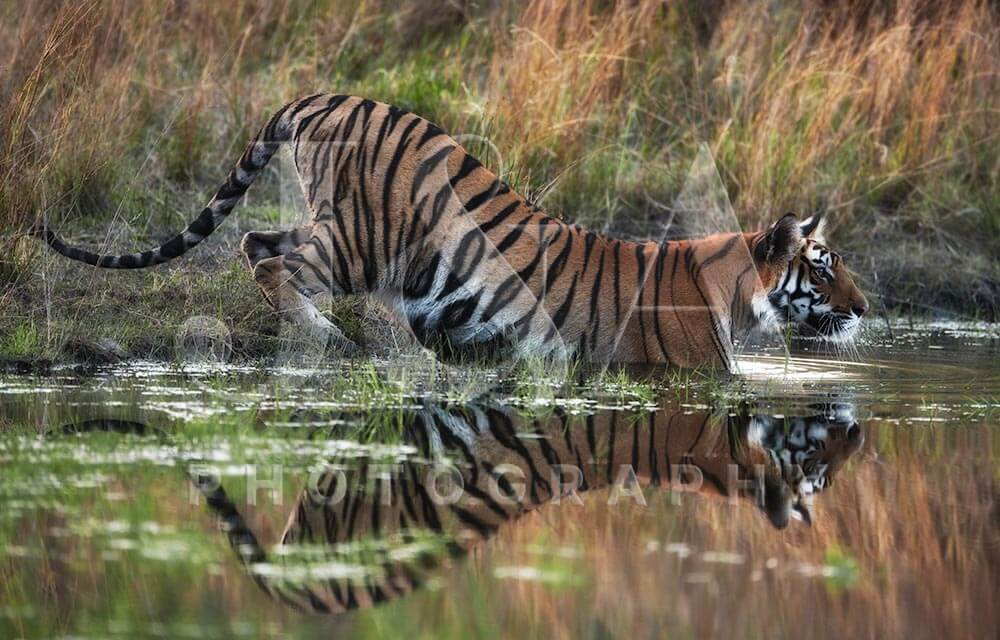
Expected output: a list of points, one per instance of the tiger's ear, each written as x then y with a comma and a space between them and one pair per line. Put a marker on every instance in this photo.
782, 241
815, 227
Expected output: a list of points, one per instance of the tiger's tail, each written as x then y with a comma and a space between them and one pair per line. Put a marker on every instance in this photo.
256, 156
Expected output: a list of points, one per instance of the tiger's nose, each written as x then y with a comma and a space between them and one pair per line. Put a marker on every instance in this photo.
859, 308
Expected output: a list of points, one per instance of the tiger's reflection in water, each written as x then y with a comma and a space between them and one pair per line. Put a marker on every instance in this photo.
478, 467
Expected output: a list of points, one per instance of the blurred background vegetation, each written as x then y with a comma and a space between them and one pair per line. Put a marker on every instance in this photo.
118, 119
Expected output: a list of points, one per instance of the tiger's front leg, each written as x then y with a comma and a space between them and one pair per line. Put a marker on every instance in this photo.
288, 282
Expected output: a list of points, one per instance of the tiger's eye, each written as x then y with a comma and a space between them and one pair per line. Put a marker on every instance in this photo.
820, 275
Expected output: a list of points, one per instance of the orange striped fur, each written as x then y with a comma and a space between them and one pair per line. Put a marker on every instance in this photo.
399, 209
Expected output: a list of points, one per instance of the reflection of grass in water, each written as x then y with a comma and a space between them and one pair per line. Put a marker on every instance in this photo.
981, 408
557, 568
128, 534
844, 568
358, 561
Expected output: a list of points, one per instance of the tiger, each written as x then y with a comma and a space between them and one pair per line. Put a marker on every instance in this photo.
400, 211
505, 465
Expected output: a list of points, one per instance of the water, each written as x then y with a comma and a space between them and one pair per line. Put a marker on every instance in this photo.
811, 494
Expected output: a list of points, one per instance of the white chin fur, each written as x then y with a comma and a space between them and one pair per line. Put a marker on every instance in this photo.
767, 317
846, 332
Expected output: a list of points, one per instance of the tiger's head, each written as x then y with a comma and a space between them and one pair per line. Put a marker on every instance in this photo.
805, 453
806, 285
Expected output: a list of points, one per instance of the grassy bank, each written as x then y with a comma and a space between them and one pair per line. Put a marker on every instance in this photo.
118, 118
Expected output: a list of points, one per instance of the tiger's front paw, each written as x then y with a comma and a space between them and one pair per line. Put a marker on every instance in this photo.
335, 341
344, 346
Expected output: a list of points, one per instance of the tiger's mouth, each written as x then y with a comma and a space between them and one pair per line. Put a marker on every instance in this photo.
833, 326
830, 326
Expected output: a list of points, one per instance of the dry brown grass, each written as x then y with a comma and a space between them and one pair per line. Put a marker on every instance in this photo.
790, 99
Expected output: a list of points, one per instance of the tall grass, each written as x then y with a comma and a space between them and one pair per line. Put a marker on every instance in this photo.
117, 117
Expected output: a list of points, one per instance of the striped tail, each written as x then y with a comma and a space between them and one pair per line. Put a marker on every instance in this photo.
249, 550
251, 163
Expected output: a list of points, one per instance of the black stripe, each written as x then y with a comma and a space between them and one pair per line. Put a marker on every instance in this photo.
323, 142
173, 247
383, 133
438, 208
563, 310
343, 279
640, 261
502, 297
557, 266
432, 131
419, 286
460, 270
338, 216
524, 322
588, 246
296, 258
504, 433
358, 241
452, 441
319, 170
369, 107
469, 164
481, 198
617, 281
529, 269
657, 320
267, 131
673, 299
459, 312
487, 499
716, 340
721, 253
485, 530
594, 320
425, 169
513, 236
204, 224
304, 122
500, 217
415, 221
370, 265
231, 188
305, 102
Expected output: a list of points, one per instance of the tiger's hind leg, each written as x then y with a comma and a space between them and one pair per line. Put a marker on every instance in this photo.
288, 282
260, 245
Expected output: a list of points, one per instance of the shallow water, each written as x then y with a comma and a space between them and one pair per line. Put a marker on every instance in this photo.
382, 500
